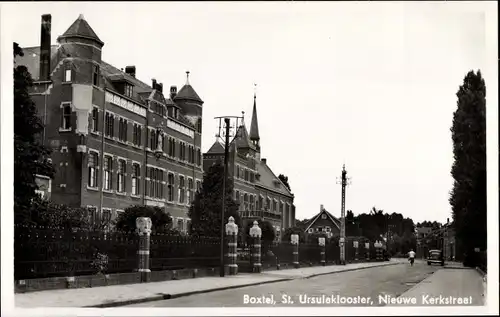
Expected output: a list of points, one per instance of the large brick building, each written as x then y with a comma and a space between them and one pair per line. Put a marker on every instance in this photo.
116, 140
261, 193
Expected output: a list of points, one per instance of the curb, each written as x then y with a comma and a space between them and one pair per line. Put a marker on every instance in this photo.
172, 296
349, 270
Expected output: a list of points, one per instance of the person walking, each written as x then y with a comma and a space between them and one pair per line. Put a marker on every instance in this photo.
411, 257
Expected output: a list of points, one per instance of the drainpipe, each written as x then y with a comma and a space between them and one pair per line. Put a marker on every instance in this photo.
101, 168
146, 154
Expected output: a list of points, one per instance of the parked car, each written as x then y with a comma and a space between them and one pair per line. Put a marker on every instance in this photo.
435, 257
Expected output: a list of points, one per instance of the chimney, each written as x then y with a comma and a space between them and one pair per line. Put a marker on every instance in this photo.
264, 161
321, 208
130, 70
159, 87
447, 220
173, 92
153, 85
45, 47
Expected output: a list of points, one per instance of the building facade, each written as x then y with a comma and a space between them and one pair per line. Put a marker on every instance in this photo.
261, 194
323, 222
116, 140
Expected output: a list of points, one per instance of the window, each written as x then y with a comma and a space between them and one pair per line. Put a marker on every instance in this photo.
182, 190
237, 171
171, 147
246, 174
199, 125
275, 205
190, 195
137, 134
153, 141
198, 186
163, 145
268, 203
281, 208
190, 154
108, 166
136, 174
66, 116
93, 160
110, 125
180, 224
182, 151
95, 75
92, 214
106, 216
245, 201
121, 175
198, 158
311, 230
323, 216
252, 177
171, 184
328, 229
67, 74
252, 201
155, 188
237, 196
122, 130
260, 204
95, 119
129, 90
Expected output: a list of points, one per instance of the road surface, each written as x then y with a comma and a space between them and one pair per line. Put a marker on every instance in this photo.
363, 286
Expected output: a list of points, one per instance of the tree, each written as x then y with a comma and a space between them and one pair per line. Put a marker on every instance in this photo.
206, 209
294, 230
161, 220
30, 156
268, 233
468, 196
284, 180
49, 214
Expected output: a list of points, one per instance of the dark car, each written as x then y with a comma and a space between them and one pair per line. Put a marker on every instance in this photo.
435, 257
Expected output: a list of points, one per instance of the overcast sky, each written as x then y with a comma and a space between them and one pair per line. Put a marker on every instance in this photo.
371, 85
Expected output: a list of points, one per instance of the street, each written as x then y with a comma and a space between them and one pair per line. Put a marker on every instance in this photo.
358, 285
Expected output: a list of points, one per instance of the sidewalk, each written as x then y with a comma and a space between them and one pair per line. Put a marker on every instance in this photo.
120, 295
449, 283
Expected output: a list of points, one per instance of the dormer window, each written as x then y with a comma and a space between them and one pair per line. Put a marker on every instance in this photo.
129, 89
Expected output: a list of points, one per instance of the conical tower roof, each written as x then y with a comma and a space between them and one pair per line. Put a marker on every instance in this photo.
187, 92
254, 126
81, 28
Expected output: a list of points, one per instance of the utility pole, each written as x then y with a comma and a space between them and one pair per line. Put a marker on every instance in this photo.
344, 182
227, 135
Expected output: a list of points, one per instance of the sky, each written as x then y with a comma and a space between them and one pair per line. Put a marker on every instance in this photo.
369, 85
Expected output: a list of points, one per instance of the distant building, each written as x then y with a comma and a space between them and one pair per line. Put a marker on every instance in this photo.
112, 134
261, 193
323, 222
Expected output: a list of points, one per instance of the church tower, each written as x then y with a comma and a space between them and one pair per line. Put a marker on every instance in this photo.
190, 103
254, 128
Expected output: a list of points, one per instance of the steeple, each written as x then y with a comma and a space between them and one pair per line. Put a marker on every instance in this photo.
187, 92
254, 126
81, 29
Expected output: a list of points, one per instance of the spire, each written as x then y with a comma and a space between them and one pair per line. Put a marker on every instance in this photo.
254, 127
187, 77
187, 92
81, 29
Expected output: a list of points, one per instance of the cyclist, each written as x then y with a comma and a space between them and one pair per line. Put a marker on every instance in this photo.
411, 257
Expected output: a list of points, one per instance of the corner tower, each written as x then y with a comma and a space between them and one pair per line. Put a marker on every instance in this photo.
190, 103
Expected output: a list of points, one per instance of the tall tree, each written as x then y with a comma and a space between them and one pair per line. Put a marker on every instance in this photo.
468, 196
284, 180
206, 209
161, 221
30, 156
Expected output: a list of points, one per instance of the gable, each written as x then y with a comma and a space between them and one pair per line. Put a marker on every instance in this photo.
323, 218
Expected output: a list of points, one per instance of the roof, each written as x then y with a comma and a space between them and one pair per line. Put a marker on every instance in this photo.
335, 220
254, 126
188, 92
216, 148
242, 140
268, 178
80, 28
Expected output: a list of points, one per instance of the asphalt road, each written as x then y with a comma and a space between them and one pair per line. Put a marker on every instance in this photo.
363, 286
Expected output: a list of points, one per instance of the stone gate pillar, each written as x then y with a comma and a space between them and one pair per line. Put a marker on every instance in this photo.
294, 239
367, 247
232, 234
256, 234
143, 225
322, 244
355, 245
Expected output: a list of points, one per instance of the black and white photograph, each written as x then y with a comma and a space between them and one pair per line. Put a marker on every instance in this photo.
262, 158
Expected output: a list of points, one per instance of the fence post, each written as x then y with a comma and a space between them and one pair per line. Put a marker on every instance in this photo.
378, 246
295, 242
322, 244
356, 245
256, 234
143, 225
232, 233
367, 247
